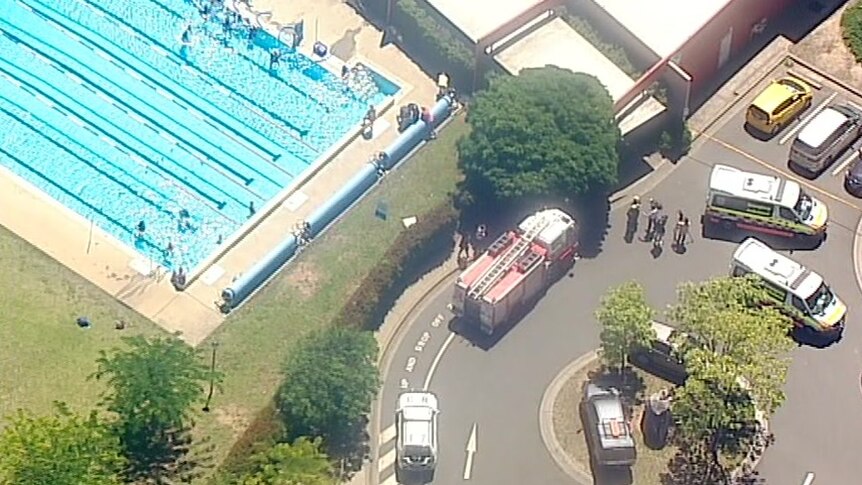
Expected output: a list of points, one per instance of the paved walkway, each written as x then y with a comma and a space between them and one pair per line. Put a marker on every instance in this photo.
137, 282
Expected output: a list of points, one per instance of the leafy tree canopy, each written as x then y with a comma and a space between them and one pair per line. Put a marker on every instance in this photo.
62, 449
726, 316
330, 381
625, 317
545, 131
714, 412
300, 463
152, 386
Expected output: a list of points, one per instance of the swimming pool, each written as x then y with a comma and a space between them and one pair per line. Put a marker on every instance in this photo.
144, 111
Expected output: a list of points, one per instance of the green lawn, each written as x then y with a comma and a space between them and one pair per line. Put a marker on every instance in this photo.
567, 424
307, 295
44, 355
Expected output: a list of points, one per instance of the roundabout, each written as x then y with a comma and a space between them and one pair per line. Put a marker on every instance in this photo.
498, 392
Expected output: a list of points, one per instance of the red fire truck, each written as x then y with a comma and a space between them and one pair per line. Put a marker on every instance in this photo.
515, 270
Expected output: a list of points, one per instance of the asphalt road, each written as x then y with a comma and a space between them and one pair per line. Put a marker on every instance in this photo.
499, 390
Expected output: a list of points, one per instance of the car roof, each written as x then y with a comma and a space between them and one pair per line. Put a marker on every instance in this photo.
662, 331
824, 124
612, 429
775, 94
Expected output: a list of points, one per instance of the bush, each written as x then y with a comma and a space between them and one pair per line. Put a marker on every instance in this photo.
401, 264
265, 430
430, 39
613, 52
851, 26
675, 140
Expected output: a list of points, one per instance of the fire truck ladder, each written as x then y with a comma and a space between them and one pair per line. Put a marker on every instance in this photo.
499, 268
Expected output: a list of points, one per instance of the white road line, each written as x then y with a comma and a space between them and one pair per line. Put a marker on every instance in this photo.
436, 360
809, 479
807, 118
386, 460
390, 480
840, 168
387, 435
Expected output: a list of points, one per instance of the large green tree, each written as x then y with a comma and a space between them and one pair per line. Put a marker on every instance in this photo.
300, 463
626, 320
727, 317
715, 414
545, 131
153, 385
329, 383
61, 449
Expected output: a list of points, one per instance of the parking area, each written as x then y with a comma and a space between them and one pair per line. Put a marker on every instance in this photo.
730, 142
832, 371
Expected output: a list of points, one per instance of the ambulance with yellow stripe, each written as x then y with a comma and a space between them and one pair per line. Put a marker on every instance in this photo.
762, 203
802, 293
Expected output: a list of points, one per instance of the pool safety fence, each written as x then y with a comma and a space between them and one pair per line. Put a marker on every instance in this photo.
242, 287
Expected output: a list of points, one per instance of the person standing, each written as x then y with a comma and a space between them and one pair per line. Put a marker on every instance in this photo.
678, 230
652, 219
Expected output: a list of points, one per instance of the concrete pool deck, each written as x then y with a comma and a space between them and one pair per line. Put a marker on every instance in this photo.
114, 267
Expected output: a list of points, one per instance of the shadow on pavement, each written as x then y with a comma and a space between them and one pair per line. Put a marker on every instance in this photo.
779, 243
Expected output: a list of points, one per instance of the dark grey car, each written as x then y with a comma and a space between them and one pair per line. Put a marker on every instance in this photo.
661, 358
853, 178
607, 428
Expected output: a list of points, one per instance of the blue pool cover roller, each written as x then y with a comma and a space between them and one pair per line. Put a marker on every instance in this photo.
243, 286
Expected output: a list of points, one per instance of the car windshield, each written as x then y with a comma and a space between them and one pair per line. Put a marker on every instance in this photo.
803, 206
758, 113
820, 299
792, 85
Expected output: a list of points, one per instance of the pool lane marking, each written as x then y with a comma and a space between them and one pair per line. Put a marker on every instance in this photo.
780, 171
840, 168
807, 118
105, 55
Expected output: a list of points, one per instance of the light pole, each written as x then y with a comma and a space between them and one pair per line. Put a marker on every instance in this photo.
206, 407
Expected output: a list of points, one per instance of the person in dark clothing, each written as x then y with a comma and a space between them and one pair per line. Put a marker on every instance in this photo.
659, 231
274, 58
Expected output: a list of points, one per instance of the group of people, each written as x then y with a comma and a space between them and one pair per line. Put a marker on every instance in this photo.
656, 227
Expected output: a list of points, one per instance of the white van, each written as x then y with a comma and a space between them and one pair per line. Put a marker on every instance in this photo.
801, 292
826, 137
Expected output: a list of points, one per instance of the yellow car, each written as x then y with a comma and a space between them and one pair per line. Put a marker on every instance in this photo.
778, 105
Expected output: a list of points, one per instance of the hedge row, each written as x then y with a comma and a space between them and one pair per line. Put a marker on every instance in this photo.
428, 38
424, 244
851, 26
415, 251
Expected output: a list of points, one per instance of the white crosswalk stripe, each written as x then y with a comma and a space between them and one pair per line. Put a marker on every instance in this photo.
386, 460
390, 480
387, 435
386, 456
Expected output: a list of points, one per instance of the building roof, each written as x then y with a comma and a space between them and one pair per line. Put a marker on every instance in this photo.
478, 18
754, 186
663, 25
823, 125
557, 44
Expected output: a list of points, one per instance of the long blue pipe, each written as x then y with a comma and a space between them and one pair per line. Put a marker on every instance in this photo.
350, 193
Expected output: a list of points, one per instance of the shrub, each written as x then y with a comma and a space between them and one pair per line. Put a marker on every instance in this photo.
403, 262
613, 52
264, 430
851, 26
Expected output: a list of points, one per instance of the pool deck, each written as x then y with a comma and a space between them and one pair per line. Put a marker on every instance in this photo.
114, 267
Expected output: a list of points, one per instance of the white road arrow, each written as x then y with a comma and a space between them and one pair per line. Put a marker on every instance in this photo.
471, 450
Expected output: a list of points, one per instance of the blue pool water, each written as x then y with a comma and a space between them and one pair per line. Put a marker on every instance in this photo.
142, 110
